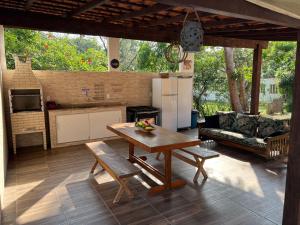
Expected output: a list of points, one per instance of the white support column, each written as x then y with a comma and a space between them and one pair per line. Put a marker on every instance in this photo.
2, 49
113, 52
187, 66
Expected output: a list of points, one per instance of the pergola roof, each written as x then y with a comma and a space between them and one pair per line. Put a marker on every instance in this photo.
153, 20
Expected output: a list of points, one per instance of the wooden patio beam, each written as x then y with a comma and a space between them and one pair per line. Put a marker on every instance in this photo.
256, 74
146, 11
291, 215
233, 42
29, 3
210, 24
39, 21
88, 6
175, 19
238, 9
271, 32
258, 27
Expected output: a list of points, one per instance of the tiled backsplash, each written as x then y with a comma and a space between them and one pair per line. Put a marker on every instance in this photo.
66, 87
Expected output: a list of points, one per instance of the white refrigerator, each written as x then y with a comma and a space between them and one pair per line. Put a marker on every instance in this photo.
173, 96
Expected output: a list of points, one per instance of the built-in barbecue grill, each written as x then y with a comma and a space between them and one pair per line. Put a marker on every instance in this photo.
26, 103
25, 100
138, 113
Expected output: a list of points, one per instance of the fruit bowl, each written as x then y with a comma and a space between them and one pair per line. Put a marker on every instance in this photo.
144, 126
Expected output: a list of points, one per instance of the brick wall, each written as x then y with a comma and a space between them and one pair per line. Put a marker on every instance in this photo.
132, 88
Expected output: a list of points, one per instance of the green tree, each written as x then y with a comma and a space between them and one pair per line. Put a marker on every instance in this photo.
209, 75
128, 54
279, 62
55, 52
151, 58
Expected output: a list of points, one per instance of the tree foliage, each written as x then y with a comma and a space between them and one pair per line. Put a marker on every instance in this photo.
55, 52
151, 58
209, 75
52, 51
279, 62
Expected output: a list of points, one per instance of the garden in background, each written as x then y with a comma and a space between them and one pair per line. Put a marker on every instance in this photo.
220, 73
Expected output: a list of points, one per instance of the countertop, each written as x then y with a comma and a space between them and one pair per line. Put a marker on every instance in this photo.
87, 106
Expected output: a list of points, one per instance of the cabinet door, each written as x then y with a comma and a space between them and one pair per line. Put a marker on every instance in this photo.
185, 102
99, 121
72, 128
169, 112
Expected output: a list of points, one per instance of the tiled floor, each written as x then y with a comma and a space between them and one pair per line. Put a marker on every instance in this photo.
54, 187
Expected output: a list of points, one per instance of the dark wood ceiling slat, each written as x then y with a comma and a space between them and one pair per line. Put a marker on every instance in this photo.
88, 6
149, 10
136, 19
29, 3
238, 9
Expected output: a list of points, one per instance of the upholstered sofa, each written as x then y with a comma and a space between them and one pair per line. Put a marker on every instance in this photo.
264, 136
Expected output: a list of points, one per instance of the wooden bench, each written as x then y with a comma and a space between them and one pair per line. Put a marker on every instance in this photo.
199, 154
117, 166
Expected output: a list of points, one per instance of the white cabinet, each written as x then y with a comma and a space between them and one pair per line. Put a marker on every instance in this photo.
85, 126
99, 121
71, 128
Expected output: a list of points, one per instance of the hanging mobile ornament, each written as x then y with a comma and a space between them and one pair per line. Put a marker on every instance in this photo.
191, 36
173, 53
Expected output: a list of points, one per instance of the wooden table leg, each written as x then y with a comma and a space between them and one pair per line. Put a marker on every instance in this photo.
168, 169
131, 152
168, 184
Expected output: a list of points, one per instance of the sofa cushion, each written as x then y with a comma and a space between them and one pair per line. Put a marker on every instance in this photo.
255, 143
268, 126
276, 133
223, 134
226, 119
212, 121
245, 124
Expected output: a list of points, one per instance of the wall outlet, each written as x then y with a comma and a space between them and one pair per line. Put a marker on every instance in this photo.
48, 98
107, 96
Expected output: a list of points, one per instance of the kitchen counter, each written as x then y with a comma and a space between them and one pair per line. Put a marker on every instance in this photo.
88, 106
96, 115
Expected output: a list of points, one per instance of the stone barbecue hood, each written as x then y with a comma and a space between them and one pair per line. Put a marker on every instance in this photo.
23, 77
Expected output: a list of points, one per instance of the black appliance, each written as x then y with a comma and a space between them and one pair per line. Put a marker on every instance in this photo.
138, 113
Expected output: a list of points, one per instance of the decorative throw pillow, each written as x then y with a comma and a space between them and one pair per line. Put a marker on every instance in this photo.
246, 124
268, 126
226, 120
276, 133
212, 121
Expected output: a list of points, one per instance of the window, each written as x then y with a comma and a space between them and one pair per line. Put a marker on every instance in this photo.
273, 89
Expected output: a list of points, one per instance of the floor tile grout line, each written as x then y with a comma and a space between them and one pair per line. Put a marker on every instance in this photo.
253, 211
105, 204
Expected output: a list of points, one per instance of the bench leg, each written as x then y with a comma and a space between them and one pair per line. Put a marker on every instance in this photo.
123, 188
94, 167
200, 169
118, 195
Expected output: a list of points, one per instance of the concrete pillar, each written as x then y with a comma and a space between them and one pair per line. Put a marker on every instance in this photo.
2, 49
113, 48
187, 66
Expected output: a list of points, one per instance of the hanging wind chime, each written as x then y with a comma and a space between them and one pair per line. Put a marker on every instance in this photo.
191, 39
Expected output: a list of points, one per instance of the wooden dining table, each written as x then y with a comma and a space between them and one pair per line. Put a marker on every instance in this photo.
159, 140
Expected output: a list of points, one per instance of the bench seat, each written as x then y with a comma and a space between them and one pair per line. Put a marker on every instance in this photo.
116, 165
199, 154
